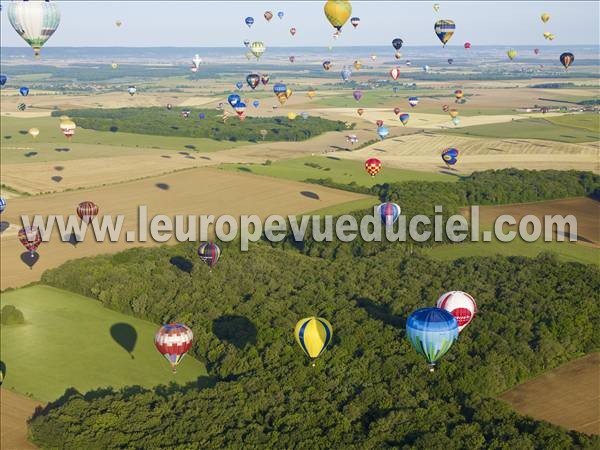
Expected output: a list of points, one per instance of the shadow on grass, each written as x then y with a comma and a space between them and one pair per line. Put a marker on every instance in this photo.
125, 335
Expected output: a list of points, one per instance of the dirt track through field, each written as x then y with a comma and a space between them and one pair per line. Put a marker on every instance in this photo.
568, 396
196, 191
15, 409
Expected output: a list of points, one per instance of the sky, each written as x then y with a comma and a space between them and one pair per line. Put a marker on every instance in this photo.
221, 24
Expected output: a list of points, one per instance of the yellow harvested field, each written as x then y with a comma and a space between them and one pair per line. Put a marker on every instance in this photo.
15, 410
196, 191
421, 151
422, 120
38, 177
568, 396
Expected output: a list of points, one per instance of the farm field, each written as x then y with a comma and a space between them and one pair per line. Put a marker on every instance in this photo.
196, 191
568, 396
15, 409
586, 250
340, 171
76, 342
569, 129
422, 151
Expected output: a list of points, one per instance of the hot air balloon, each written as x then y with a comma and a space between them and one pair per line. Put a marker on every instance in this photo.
293, 31
21, 106
389, 213
372, 166
194, 69
240, 108
360, 111
461, 305
444, 30
426, 68
34, 132
431, 331
280, 14
249, 21
397, 55
304, 115
201, 116
337, 12
3, 79
445, 108
346, 73
196, 60
545, 17
547, 34
450, 60
185, 113
118, 23
395, 73
2, 204
311, 93
357, 95
382, 132
456, 121
453, 113
373, 57
239, 85
246, 42
67, 126
257, 48
450, 156
292, 115
132, 90
327, 65
404, 118
467, 45
173, 341
263, 133
114, 66
31, 238
458, 94
355, 21
536, 51
352, 139
232, 99
357, 64
397, 110
313, 335
436, 7
87, 211
253, 80
512, 53
379, 123
256, 103
34, 21
268, 15
24, 91
397, 43
408, 63
413, 101
264, 79
209, 253
292, 59
280, 91
567, 59
288, 92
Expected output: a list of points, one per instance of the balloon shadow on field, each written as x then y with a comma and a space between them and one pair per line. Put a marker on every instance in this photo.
59, 168
335, 158
124, 335
205, 157
30, 258
23, 132
114, 129
380, 312
4, 226
244, 169
184, 153
165, 156
56, 178
62, 149
72, 239
310, 194
163, 186
190, 147
236, 330
183, 264
29, 154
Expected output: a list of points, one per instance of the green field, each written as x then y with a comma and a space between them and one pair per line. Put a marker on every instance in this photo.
571, 128
15, 142
339, 170
67, 342
564, 250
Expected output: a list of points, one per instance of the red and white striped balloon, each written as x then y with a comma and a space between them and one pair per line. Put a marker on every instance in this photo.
395, 73
87, 211
461, 305
173, 341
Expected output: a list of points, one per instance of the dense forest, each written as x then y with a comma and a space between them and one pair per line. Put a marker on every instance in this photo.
370, 389
165, 122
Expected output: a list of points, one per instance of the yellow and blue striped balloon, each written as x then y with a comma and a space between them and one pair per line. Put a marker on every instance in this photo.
313, 334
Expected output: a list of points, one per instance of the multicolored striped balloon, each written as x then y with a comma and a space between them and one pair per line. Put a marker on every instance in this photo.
173, 341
